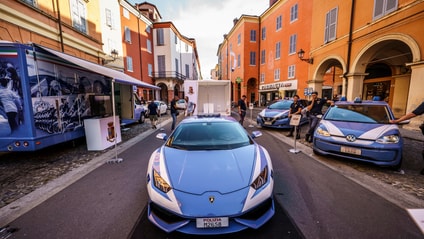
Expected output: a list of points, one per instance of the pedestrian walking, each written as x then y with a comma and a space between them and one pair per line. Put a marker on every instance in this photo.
191, 106
295, 109
174, 111
314, 112
417, 111
153, 113
242, 109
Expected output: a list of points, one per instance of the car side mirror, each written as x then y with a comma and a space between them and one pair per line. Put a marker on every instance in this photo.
256, 134
162, 136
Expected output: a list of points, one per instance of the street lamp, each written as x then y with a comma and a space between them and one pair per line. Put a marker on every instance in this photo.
301, 54
114, 54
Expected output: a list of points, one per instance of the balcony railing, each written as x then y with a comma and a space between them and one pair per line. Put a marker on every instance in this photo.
169, 74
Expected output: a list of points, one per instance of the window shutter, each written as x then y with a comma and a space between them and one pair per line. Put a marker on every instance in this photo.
333, 24
378, 8
391, 5
108, 18
330, 25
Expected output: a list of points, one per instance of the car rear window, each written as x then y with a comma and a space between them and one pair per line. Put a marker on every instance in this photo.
378, 114
208, 136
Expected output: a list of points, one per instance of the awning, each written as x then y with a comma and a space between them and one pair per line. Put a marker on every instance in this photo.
118, 76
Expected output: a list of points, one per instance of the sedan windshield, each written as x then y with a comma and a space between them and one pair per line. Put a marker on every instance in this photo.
359, 113
281, 105
209, 136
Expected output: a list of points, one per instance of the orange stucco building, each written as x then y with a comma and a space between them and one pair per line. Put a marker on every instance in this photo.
285, 29
239, 59
357, 48
273, 40
137, 47
50, 24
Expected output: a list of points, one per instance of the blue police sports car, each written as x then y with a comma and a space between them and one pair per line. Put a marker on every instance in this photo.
276, 115
360, 130
210, 177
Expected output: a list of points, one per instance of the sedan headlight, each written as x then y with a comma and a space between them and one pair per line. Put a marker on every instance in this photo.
160, 183
261, 179
389, 139
322, 131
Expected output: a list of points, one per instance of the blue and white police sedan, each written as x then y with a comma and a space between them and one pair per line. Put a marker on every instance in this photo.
277, 115
210, 177
360, 130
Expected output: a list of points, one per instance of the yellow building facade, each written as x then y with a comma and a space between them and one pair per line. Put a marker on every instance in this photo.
374, 48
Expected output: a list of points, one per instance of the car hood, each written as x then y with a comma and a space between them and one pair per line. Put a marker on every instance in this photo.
359, 130
273, 112
197, 172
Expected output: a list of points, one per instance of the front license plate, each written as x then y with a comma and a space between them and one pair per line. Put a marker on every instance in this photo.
268, 122
350, 150
212, 222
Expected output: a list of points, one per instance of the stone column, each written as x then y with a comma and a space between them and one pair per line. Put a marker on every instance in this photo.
355, 85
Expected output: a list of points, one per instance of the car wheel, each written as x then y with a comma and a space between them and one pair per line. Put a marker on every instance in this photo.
142, 118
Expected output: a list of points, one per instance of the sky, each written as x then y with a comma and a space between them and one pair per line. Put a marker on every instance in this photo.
206, 21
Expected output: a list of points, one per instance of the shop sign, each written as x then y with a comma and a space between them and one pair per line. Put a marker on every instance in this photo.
275, 86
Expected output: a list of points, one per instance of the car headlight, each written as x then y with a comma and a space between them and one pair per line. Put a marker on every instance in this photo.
322, 131
261, 179
160, 183
389, 139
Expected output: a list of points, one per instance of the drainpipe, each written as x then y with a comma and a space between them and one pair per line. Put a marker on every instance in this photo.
349, 45
139, 43
259, 63
60, 26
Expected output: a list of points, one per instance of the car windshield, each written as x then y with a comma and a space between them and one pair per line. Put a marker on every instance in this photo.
377, 114
281, 105
208, 136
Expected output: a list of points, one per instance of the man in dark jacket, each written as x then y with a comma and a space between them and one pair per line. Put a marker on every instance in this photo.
295, 109
315, 113
174, 111
153, 113
242, 108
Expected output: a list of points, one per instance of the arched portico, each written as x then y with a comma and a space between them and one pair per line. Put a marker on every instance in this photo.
162, 94
382, 68
328, 78
251, 91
